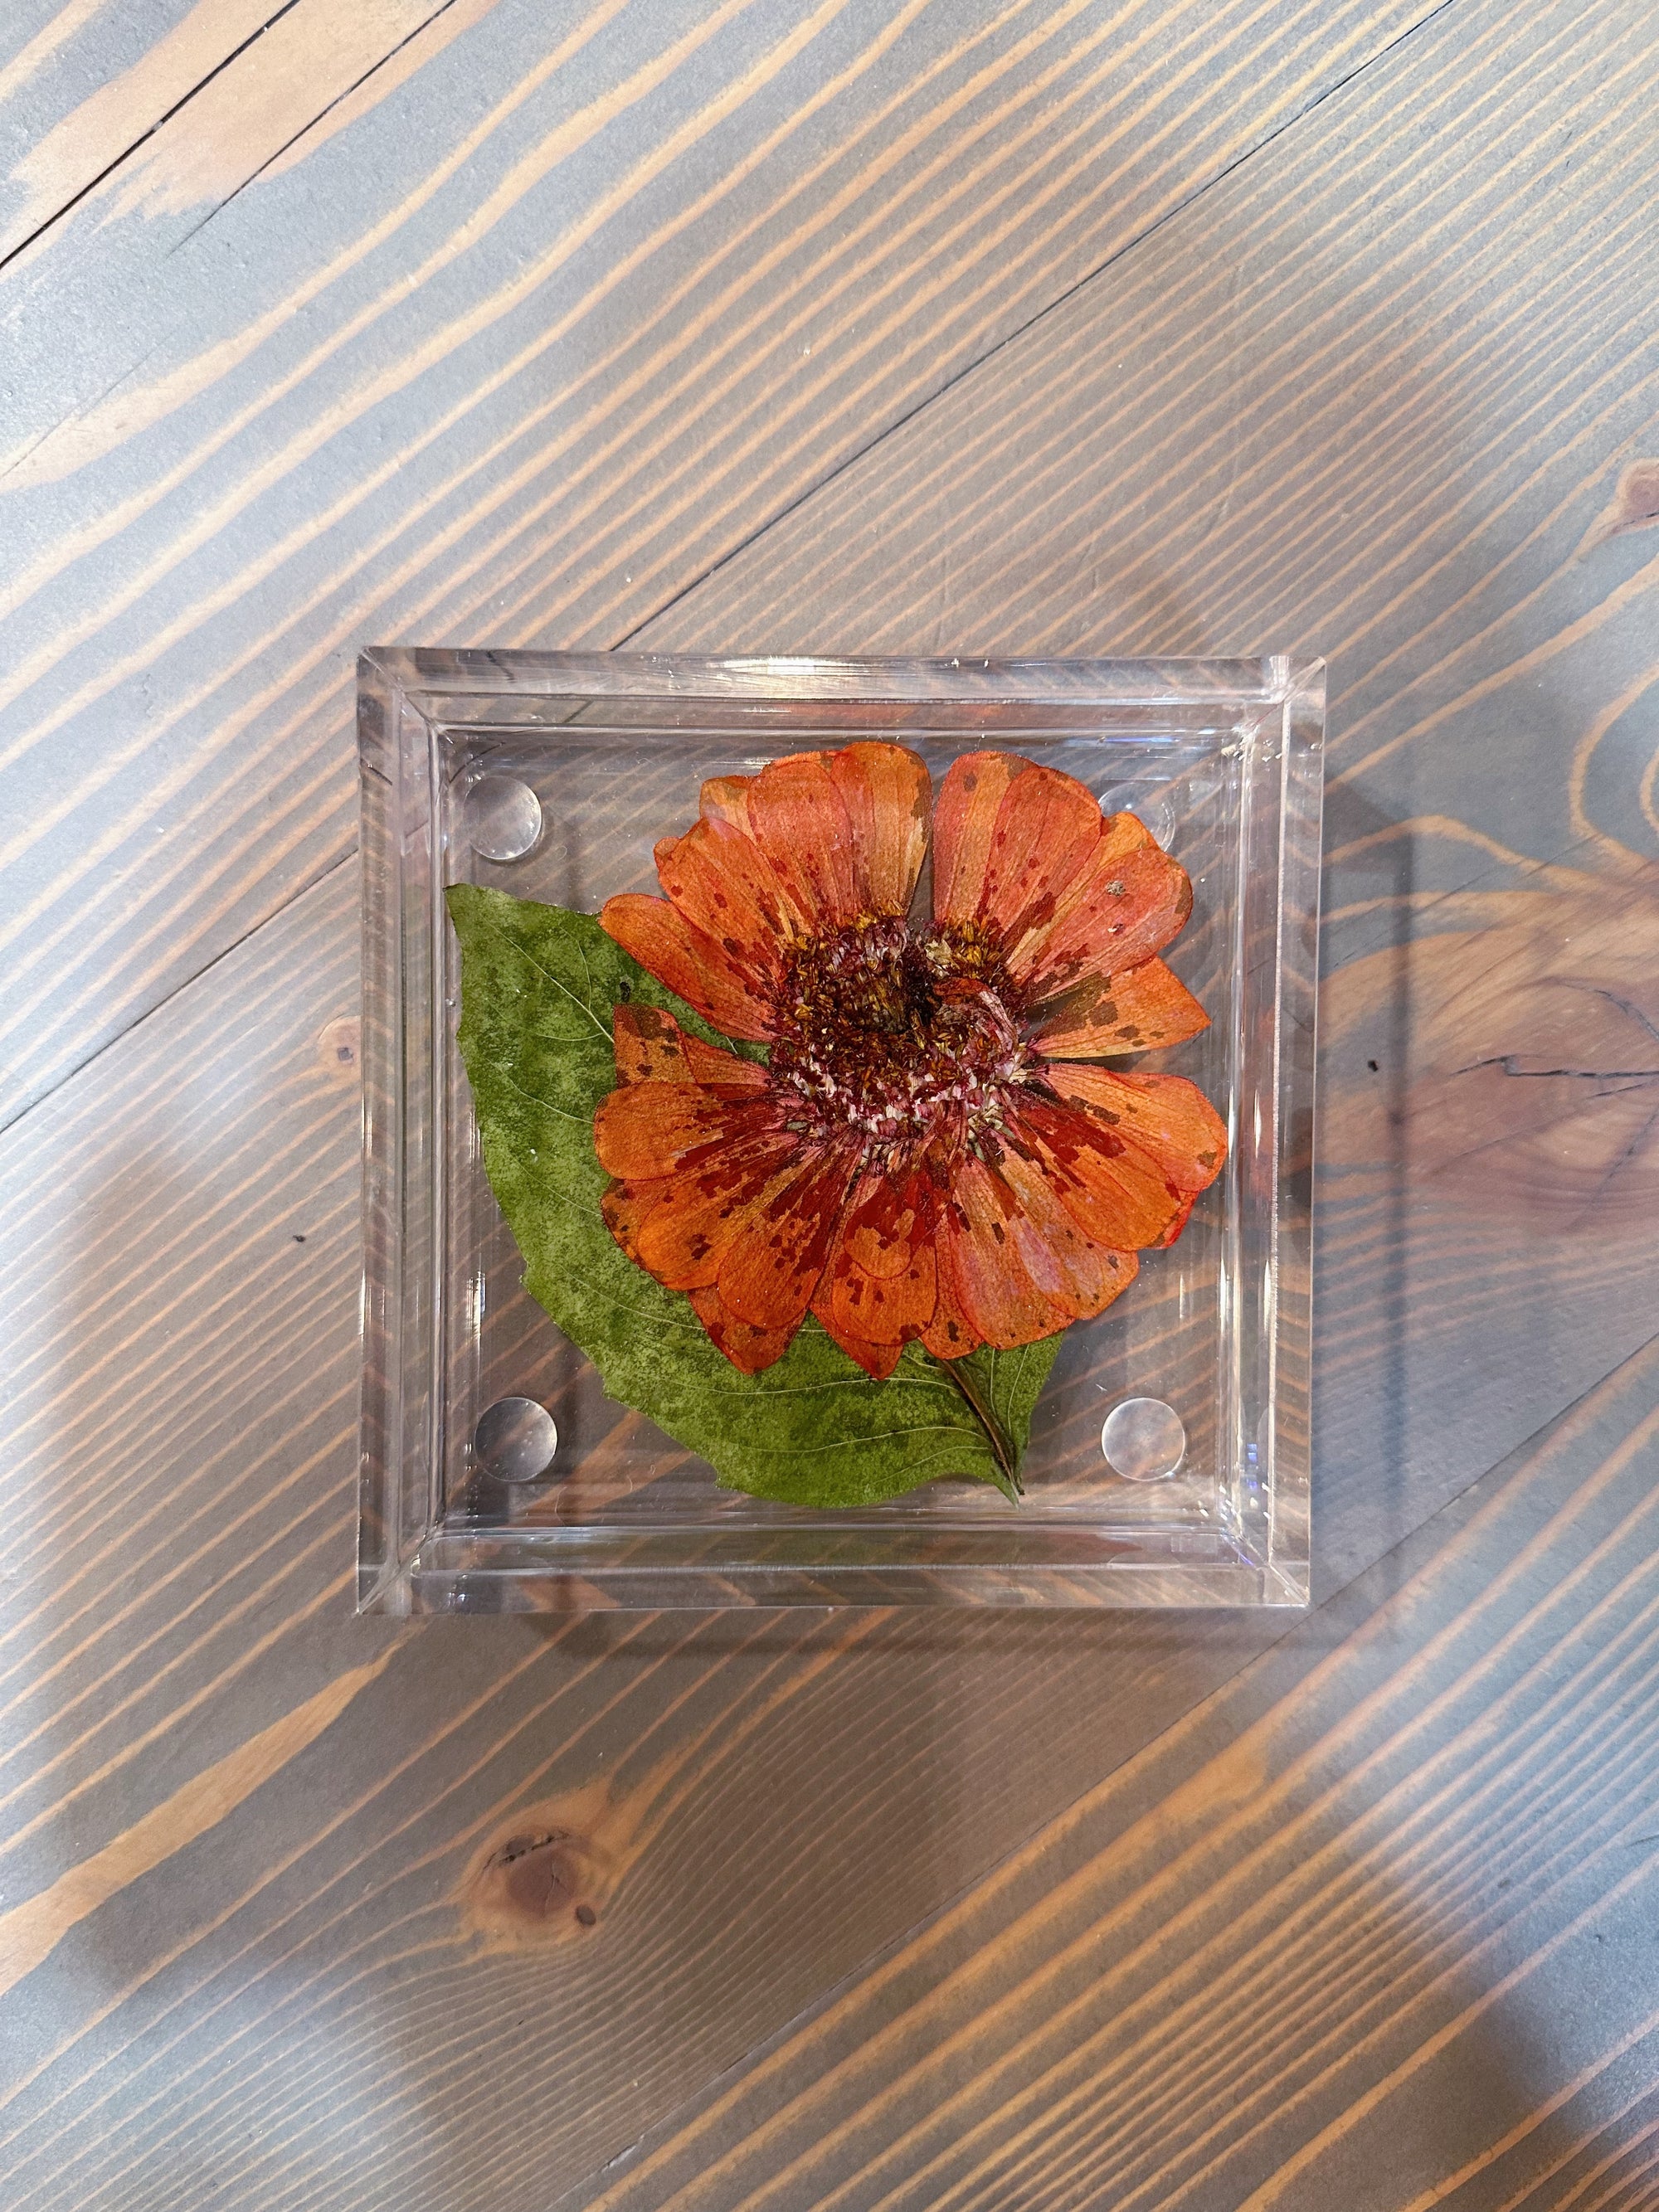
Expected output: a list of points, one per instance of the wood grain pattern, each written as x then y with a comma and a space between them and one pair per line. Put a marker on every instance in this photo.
282, 2010
1004, 1912
661, 269
60, 128
31, 1932
116, 123
1414, 1843
181, 1445
1300, 444
258, 77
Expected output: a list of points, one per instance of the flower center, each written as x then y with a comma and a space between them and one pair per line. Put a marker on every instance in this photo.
901, 1040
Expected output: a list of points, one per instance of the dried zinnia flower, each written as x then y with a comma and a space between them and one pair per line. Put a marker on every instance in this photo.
925, 1154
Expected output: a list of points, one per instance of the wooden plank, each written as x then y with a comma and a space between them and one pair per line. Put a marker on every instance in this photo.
1488, 1168
1303, 444
1372, 1926
255, 76
514, 356
286, 1968
55, 56
254, 1949
129, 79
264, 1855
240, 1947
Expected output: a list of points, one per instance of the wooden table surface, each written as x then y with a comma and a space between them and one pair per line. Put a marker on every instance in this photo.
1025, 326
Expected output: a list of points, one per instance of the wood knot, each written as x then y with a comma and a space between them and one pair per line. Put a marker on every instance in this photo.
535, 1885
1634, 506
536, 1878
339, 1048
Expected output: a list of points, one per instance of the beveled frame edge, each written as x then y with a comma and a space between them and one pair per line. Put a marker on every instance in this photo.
380, 1412
421, 673
1302, 816
390, 1578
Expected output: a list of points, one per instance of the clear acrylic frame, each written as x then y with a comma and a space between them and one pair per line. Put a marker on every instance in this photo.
1222, 758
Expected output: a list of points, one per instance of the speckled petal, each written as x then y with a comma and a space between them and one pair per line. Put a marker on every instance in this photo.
1141, 1011
798, 821
964, 822
749, 1350
692, 965
887, 794
1131, 909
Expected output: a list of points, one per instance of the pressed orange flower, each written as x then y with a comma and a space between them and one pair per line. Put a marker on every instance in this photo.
928, 1151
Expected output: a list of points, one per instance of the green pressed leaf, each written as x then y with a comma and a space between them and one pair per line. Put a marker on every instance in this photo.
537, 987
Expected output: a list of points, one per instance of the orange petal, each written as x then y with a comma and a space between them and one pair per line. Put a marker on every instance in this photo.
1059, 1255
1130, 907
878, 1360
887, 1221
768, 1276
881, 1309
1048, 829
686, 1235
748, 1349
1113, 1192
884, 1248
887, 795
1162, 1116
889, 1309
797, 820
651, 1047
725, 798
879, 1254
964, 820
996, 1292
723, 1071
949, 1334
691, 964
723, 885
1140, 1011
625, 1207
647, 1129
1178, 1224
1120, 835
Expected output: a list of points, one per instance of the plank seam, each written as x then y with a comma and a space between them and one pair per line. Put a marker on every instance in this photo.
1061, 300
408, 39
145, 136
184, 983
750, 537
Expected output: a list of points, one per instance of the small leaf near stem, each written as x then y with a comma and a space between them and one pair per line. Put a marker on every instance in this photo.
1003, 1451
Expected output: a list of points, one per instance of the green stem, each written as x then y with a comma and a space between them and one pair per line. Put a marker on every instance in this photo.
1001, 1443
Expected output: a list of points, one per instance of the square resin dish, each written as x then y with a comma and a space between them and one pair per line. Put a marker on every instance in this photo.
1169, 1458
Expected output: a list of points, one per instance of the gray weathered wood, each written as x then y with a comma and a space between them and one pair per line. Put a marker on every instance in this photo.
514, 356
1372, 1926
63, 120
269, 1809
264, 1914
257, 77
1242, 1913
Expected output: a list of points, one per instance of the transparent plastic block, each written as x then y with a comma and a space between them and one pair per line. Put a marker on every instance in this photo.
552, 775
